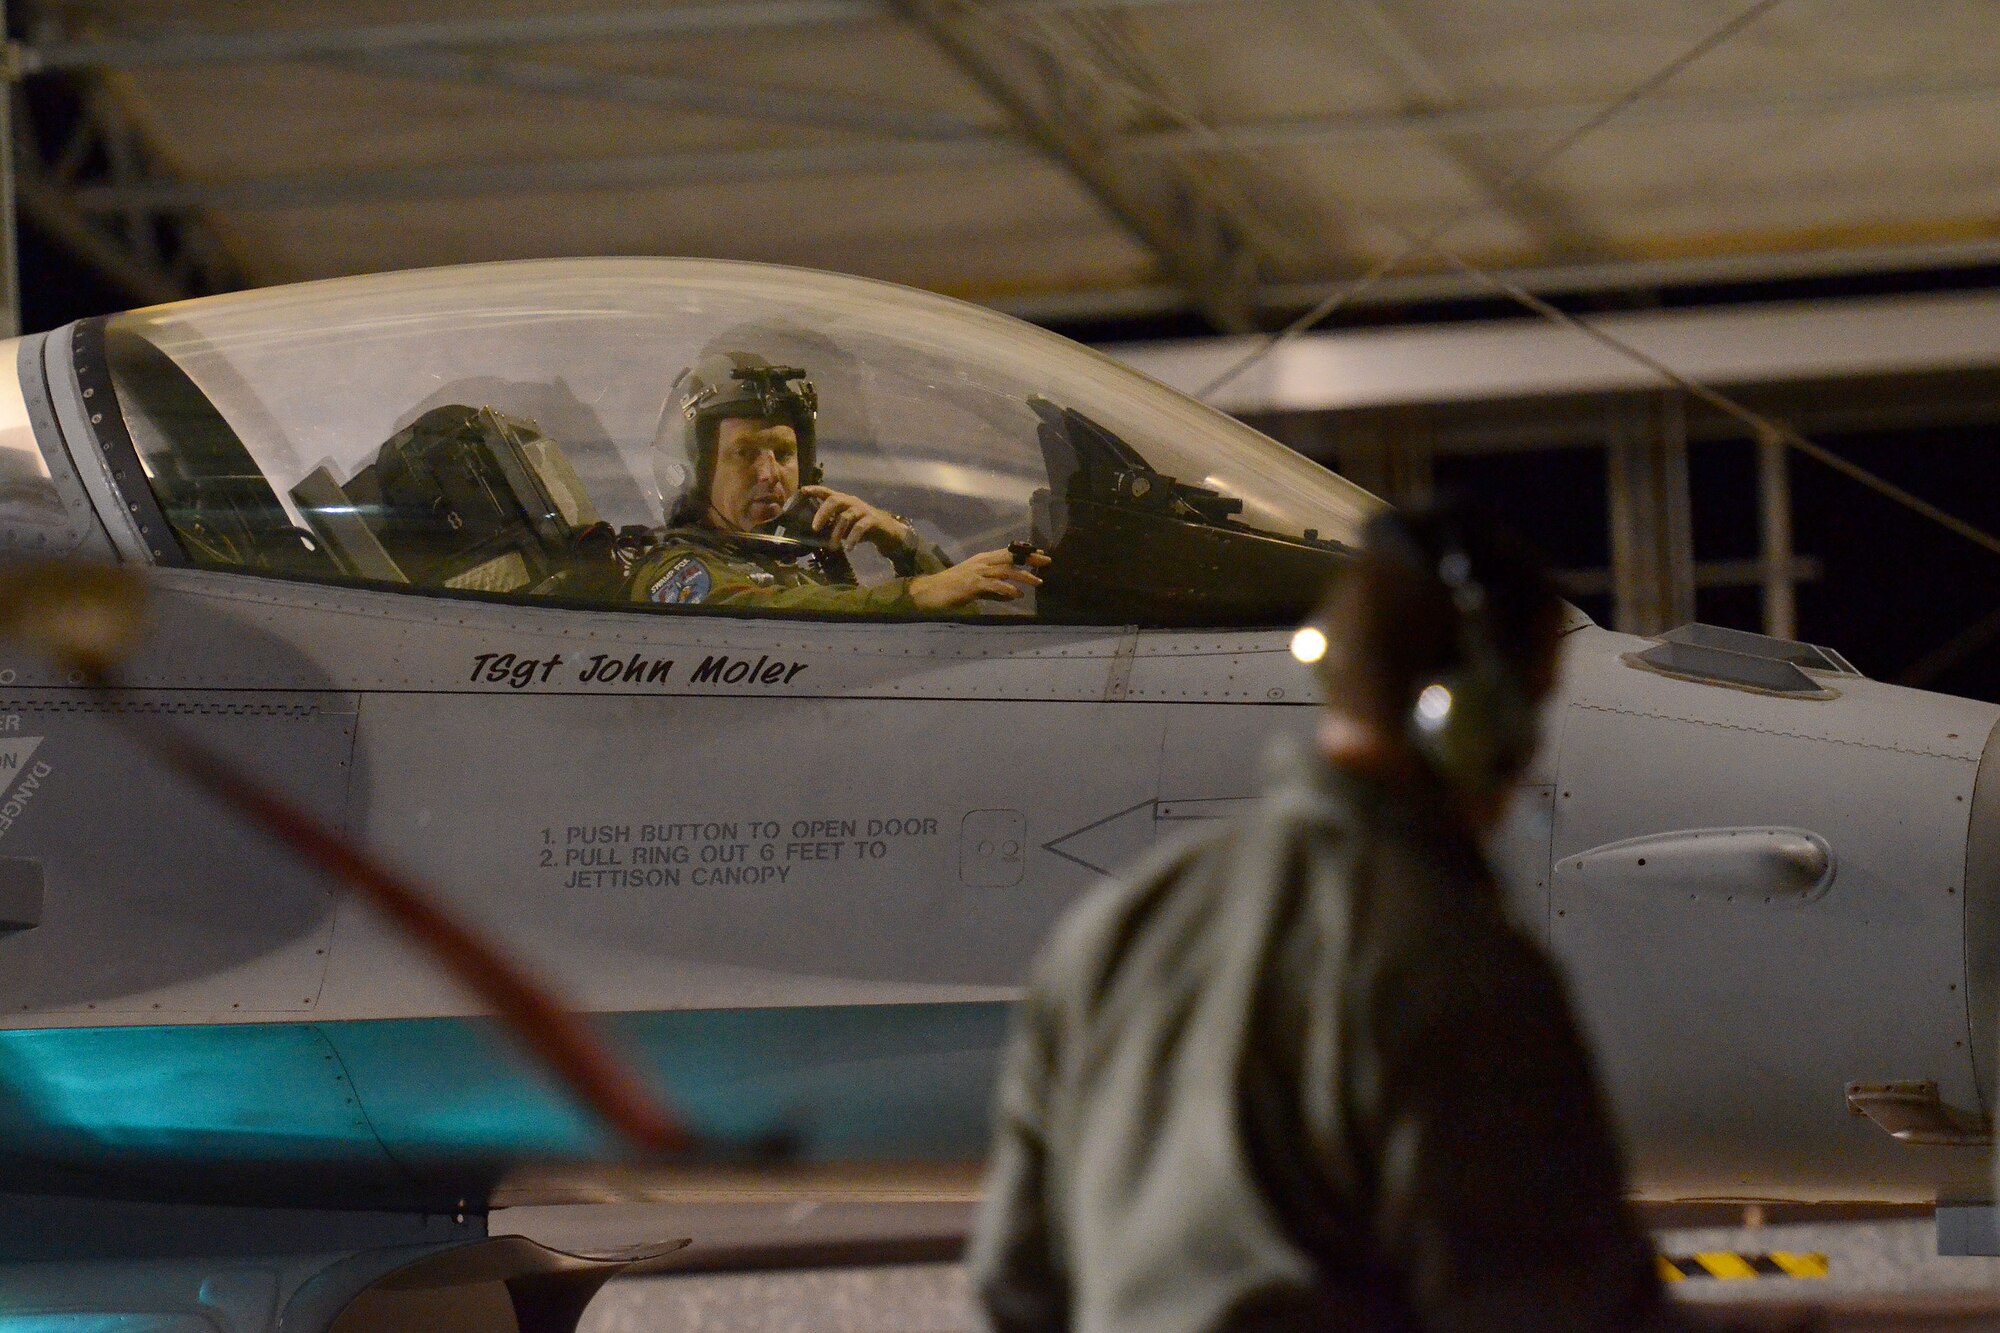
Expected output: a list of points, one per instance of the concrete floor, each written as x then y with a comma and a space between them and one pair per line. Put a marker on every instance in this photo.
1864, 1260
911, 1298
1883, 1277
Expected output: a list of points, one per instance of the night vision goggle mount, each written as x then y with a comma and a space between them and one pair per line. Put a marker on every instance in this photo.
776, 392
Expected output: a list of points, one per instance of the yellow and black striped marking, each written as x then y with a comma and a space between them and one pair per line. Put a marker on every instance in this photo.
1730, 1266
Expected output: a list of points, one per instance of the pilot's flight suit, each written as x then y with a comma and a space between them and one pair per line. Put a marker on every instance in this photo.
702, 565
1305, 1075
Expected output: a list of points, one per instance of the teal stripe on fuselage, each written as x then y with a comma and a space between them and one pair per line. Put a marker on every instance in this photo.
359, 1104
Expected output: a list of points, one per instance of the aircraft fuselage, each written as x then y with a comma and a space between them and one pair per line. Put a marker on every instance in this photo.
803, 891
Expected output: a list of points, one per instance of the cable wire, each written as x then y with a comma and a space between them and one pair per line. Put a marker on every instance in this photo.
1427, 240
1129, 80
1090, 49
1765, 427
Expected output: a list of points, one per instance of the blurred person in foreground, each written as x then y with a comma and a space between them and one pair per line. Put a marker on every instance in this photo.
1304, 1074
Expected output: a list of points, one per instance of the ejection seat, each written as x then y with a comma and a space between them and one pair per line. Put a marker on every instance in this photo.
463, 497
1134, 546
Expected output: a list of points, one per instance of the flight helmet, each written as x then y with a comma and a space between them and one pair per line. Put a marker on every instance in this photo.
719, 386
1474, 716
1462, 632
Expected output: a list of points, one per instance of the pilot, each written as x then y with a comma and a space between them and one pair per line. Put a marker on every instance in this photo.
1304, 1074
754, 527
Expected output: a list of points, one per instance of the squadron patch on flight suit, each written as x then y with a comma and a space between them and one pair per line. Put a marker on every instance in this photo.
686, 581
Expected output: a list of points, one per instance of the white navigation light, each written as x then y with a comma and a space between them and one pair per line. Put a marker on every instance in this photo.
1308, 645
1433, 706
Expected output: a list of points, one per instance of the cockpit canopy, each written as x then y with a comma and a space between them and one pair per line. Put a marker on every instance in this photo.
514, 430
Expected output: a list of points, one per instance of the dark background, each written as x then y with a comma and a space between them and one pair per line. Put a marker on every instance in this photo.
1901, 597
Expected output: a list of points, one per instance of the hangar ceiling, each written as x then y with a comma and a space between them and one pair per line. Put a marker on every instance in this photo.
1062, 158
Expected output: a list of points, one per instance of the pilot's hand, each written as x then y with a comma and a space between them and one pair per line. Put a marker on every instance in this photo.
848, 520
990, 574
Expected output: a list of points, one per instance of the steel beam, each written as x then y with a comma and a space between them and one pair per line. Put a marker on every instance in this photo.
640, 171
1707, 574
868, 115
1428, 98
153, 258
1388, 458
1652, 530
1774, 504
1125, 152
1611, 275
147, 282
170, 48
1183, 214
1546, 117
1514, 359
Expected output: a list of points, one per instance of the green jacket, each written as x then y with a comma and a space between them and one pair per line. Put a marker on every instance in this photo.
1305, 1075
702, 566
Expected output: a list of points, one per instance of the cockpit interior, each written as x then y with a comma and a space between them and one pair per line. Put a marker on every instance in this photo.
508, 431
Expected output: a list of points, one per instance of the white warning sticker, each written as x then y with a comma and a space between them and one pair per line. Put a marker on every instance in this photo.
21, 776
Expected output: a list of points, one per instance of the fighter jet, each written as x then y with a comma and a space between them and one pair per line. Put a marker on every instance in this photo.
797, 854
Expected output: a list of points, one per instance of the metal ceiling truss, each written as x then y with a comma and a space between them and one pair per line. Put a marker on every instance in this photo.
1184, 213
790, 106
933, 140
1611, 275
1651, 516
90, 212
1169, 182
164, 46
636, 171
1429, 99
154, 255
1210, 236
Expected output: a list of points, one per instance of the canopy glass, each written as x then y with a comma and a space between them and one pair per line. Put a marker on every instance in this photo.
516, 430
